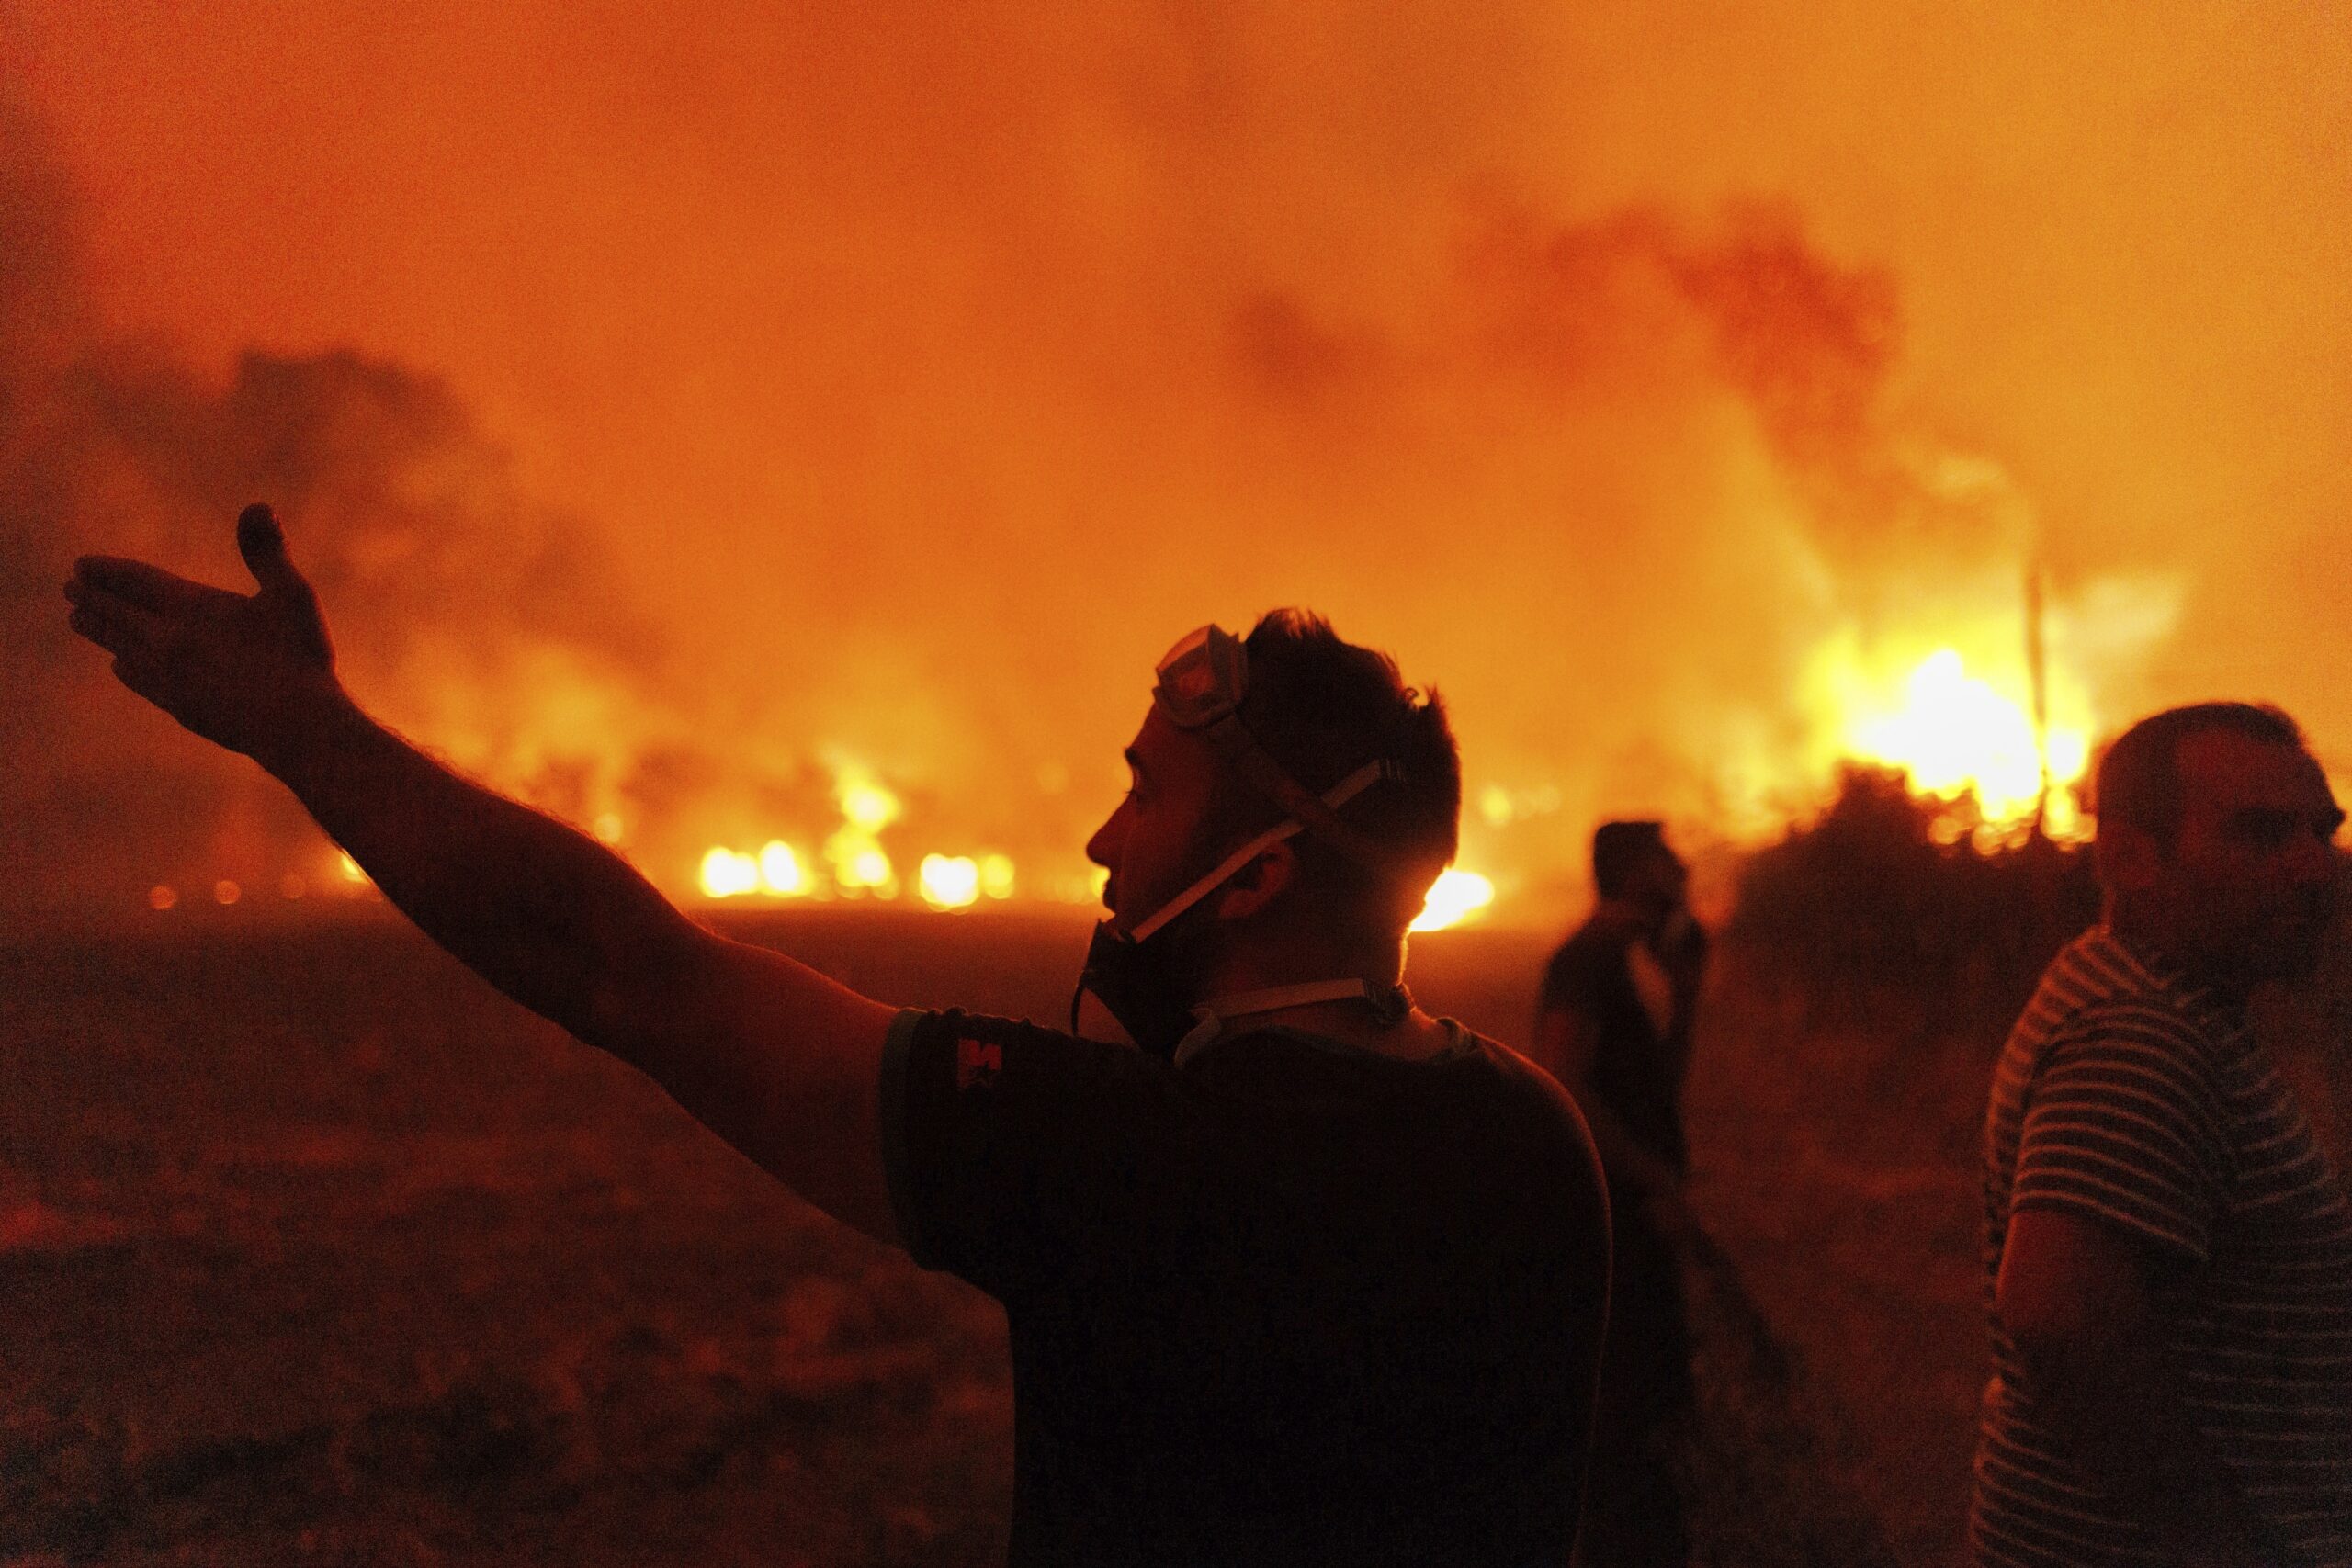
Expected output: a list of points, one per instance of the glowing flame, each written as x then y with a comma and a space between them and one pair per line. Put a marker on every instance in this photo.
854, 851
996, 876
1456, 896
949, 882
775, 871
780, 870
1950, 730
865, 805
728, 874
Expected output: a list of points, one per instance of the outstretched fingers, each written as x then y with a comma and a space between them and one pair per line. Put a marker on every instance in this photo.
115, 623
148, 587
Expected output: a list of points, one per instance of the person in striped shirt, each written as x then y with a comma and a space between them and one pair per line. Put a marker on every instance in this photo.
2168, 1252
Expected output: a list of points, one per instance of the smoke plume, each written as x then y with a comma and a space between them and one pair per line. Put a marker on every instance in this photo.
674, 417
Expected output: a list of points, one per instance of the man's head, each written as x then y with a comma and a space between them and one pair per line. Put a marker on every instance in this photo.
1632, 865
2216, 840
1321, 709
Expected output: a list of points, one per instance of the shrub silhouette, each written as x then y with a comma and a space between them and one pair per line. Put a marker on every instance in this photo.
1887, 893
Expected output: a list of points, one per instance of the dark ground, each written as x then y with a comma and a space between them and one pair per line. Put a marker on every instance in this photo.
312, 1249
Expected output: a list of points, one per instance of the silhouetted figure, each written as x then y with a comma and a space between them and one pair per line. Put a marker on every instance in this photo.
1614, 1024
2168, 1253
1310, 1277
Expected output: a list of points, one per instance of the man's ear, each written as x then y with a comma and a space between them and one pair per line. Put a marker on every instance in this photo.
1259, 882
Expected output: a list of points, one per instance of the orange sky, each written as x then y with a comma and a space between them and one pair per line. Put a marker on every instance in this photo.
922, 373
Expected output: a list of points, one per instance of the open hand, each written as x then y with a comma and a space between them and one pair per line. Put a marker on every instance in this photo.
239, 670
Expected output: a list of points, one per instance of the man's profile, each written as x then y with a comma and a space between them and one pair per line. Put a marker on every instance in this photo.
1300, 1275
2168, 1252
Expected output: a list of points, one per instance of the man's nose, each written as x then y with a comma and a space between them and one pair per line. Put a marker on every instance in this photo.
1102, 849
2315, 859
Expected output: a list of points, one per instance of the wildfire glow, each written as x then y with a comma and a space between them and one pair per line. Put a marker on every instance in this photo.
996, 876
949, 882
1950, 730
865, 805
1456, 896
728, 874
855, 851
780, 870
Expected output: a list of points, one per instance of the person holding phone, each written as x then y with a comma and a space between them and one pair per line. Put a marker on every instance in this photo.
1614, 1025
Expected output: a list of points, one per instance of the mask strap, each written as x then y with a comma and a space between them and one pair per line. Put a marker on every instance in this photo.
1390, 1002
1347, 789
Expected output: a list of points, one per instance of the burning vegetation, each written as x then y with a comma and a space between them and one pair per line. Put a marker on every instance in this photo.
1835, 595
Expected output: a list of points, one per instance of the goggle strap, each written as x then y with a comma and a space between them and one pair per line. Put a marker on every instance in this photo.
1231, 737
1214, 879
1347, 789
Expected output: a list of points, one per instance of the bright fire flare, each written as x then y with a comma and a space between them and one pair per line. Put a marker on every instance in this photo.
855, 853
1456, 896
996, 876
780, 872
727, 874
949, 882
1952, 730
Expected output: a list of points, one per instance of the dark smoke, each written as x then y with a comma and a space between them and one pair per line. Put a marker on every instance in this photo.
453, 595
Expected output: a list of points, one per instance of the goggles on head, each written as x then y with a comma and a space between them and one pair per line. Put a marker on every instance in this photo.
1202, 679
1201, 684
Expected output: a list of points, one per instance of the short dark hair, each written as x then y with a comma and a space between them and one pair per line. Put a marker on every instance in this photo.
1619, 849
2138, 780
1323, 707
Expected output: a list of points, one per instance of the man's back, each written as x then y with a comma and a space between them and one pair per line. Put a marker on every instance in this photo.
2128, 1096
1291, 1303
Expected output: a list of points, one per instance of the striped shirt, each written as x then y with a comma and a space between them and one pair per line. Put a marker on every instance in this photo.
2126, 1096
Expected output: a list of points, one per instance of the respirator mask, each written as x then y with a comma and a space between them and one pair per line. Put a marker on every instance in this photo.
1199, 688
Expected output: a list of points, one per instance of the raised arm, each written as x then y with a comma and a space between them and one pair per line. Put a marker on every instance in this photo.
777, 1060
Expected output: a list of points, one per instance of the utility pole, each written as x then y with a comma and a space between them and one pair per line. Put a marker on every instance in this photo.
2037, 671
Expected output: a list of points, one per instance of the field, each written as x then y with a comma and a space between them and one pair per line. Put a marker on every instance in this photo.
312, 1249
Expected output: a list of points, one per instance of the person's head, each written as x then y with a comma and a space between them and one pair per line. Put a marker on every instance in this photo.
2216, 840
1321, 708
1632, 864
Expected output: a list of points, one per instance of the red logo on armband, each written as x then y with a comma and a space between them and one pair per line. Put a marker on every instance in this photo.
977, 1062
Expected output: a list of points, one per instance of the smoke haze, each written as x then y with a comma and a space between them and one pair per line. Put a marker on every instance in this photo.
669, 412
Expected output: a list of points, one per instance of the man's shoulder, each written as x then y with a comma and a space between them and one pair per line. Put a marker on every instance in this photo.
1514, 1075
2106, 1030
1604, 931
1552, 1117
1591, 954
2098, 989
982, 1050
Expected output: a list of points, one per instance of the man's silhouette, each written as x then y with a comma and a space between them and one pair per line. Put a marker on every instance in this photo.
1614, 1024
1311, 1276
2168, 1252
